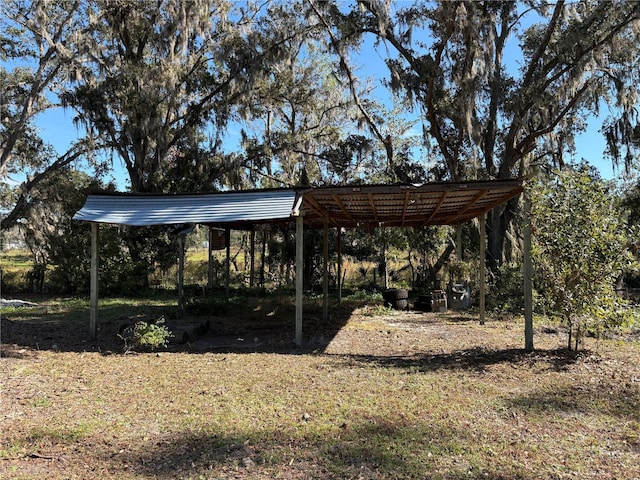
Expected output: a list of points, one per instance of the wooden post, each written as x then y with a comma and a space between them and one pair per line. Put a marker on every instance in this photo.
180, 272
385, 272
93, 314
528, 277
210, 264
339, 265
263, 257
227, 279
483, 260
299, 277
325, 271
252, 268
459, 243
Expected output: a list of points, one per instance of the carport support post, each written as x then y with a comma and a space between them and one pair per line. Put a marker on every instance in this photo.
93, 313
210, 264
180, 272
325, 271
252, 268
528, 277
339, 265
227, 277
483, 260
299, 277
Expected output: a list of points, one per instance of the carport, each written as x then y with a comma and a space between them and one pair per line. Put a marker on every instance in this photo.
355, 206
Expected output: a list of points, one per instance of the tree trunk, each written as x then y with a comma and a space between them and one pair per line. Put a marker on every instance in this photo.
495, 239
498, 222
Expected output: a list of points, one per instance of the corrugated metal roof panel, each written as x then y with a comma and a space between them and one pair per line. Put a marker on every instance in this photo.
406, 205
232, 207
347, 206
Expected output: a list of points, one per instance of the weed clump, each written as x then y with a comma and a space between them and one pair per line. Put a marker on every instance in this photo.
145, 336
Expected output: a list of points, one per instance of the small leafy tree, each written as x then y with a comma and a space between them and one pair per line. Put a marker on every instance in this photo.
580, 248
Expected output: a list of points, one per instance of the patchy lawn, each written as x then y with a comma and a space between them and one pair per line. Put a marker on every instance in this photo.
377, 395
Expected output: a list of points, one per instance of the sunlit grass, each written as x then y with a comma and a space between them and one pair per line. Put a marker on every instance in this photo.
15, 258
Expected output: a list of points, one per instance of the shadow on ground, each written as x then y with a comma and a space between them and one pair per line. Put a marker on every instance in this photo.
244, 324
367, 448
477, 359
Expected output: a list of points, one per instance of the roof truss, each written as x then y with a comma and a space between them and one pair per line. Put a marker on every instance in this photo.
371, 206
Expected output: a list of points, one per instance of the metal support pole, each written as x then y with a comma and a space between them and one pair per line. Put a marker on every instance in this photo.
528, 277
483, 260
299, 277
93, 301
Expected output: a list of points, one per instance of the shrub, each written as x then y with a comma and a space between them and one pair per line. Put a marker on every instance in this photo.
146, 336
580, 248
506, 290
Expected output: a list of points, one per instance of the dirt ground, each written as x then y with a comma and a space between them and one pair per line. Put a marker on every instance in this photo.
58, 388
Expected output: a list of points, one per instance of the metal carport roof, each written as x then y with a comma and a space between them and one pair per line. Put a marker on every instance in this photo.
345, 206
234, 208
449, 203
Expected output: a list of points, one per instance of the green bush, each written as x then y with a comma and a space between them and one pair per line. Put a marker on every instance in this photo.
506, 293
580, 248
14, 281
146, 336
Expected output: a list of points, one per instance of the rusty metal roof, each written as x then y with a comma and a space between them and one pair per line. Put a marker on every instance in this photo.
406, 205
366, 206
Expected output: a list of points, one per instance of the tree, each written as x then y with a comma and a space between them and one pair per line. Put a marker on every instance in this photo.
581, 247
60, 246
162, 74
485, 117
300, 116
39, 49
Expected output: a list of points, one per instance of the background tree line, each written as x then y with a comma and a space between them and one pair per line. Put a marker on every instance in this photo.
473, 90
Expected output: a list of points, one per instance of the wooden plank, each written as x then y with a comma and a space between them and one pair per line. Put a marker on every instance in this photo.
470, 204
528, 277
316, 207
252, 269
227, 276
339, 265
372, 204
210, 261
93, 313
299, 277
180, 272
502, 199
483, 260
405, 206
325, 272
342, 207
439, 204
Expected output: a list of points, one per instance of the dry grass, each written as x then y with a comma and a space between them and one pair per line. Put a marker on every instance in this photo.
386, 396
